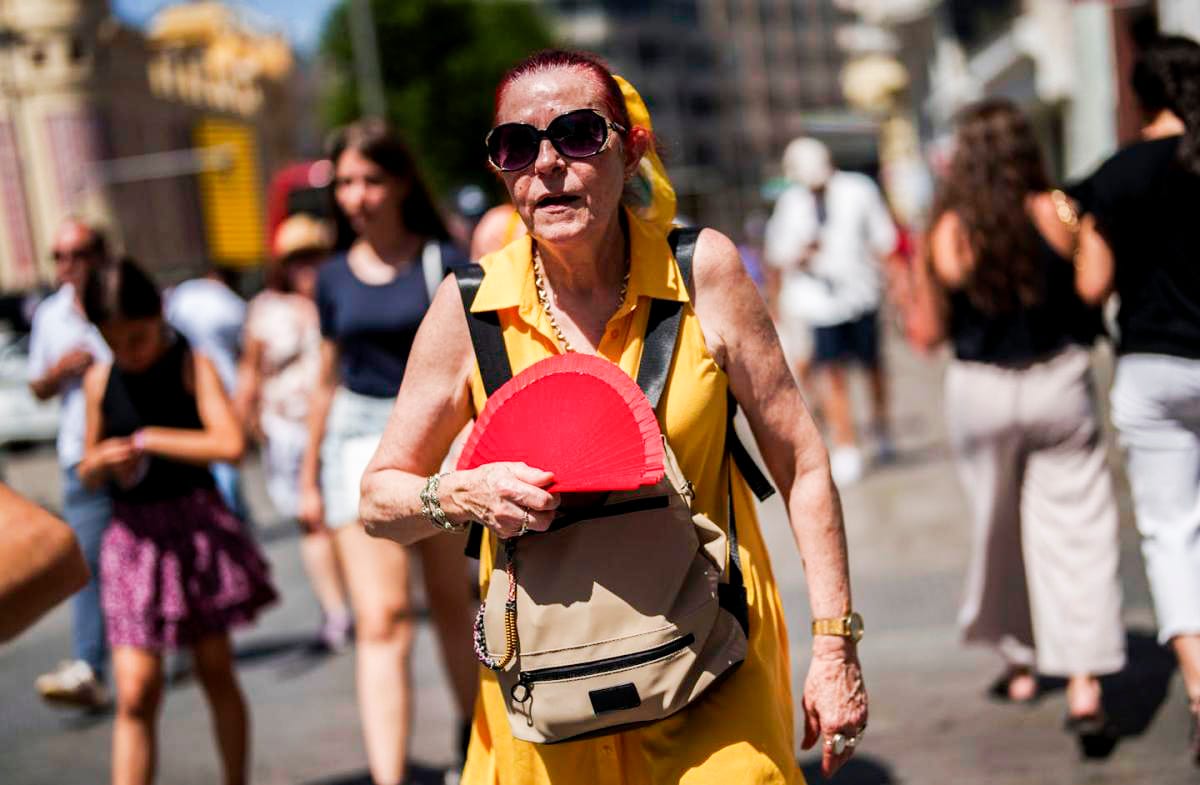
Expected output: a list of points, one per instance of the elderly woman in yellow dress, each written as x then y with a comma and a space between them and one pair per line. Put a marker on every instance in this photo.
583, 280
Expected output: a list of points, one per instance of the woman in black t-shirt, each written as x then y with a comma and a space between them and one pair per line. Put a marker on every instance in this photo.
1139, 239
370, 301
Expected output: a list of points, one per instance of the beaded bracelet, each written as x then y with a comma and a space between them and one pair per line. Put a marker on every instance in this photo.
431, 507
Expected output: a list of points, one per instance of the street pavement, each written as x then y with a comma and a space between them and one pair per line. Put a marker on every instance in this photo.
908, 535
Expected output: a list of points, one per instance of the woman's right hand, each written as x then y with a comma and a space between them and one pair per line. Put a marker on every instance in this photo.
310, 513
504, 497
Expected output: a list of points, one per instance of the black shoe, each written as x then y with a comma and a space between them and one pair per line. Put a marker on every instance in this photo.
1097, 734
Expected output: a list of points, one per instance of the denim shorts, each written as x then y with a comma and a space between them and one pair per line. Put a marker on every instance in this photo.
352, 432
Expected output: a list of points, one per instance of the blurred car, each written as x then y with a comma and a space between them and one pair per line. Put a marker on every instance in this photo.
23, 418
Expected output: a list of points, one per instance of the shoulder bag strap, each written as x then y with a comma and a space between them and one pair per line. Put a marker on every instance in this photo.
487, 338
662, 333
662, 327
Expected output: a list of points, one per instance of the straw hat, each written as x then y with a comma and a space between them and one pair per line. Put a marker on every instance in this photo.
301, 233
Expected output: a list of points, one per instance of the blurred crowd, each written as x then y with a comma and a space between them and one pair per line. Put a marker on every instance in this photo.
163, 394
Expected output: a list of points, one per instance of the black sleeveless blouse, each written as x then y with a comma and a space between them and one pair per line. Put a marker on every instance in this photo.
1026, 334
155, 396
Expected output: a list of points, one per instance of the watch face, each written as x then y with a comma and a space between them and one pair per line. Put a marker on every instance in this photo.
856, 627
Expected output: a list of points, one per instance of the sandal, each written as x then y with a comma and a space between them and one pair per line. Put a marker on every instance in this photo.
1001, 690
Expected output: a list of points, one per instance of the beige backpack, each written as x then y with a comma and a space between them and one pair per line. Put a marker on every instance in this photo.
624, 611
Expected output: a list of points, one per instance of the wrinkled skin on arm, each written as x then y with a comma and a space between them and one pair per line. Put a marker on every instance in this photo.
741, 337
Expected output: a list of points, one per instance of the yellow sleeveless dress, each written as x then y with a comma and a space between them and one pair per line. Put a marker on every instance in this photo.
742, 730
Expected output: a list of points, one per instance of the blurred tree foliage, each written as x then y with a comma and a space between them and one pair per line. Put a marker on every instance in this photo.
441, 60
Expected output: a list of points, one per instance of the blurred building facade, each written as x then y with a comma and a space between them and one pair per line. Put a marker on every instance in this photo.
163, 137
729, 83
914, 63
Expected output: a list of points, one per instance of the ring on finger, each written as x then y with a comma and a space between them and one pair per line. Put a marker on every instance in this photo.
838, 743
524, 522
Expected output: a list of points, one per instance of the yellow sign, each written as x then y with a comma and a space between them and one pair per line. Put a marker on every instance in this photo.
231, 193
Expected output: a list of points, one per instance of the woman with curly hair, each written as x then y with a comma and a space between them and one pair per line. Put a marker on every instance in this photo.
1042, 586
1139, 240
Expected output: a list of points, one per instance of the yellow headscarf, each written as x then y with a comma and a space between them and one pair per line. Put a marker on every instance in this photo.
649, 193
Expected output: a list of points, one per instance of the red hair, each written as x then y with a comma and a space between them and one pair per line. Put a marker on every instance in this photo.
552, 59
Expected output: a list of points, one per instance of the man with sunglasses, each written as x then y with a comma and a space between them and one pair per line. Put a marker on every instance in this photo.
62, 346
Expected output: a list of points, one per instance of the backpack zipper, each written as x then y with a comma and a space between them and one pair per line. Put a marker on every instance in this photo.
526, 679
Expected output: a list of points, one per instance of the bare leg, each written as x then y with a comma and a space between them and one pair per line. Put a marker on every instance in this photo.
324, 572
837, 405
442, 563
1187, 650
879, 399
138, 674
231, 725
1083, 695
378, 579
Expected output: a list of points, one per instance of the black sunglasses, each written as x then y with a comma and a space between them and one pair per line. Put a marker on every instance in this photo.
581, 133
75, 253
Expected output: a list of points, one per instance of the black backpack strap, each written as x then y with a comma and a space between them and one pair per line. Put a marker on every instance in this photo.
662, 333
732, 595
662, 327
742, 458
487, 338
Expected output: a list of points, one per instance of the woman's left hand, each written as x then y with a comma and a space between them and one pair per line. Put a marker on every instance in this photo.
835, 701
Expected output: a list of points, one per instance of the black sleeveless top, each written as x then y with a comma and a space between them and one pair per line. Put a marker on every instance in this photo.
155, 396
1145, 205
1026, 334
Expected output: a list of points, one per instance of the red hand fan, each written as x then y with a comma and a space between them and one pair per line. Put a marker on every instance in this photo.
576, 415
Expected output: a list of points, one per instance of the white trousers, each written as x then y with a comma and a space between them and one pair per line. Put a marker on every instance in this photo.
1042, 584
1156, 408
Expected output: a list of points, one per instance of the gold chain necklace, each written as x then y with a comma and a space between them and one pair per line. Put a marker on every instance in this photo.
543, 295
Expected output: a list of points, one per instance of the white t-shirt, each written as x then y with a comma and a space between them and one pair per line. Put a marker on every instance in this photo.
58, 327
843, 280
210, 315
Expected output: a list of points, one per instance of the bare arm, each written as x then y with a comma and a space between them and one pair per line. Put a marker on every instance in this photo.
103, 459
322, 399
1094, 264
40, 563
739, 331
743, 341
944, 267
219, 440
249, 382
431, 409
73, 363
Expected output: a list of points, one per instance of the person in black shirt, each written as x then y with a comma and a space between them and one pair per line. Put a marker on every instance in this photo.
1139, 240
176, 566
1042, 585
370, 301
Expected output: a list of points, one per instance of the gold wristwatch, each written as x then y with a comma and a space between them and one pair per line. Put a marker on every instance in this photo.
848, 626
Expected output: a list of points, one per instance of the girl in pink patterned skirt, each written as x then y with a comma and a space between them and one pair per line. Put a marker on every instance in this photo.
176, 567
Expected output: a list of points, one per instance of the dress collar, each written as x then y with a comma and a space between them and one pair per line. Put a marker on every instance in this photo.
508, 274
